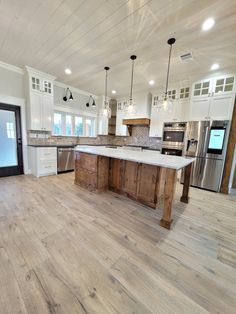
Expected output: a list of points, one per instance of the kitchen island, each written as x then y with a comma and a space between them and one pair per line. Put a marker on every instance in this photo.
147, 177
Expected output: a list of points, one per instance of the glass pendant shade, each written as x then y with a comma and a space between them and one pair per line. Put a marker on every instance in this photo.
106, 110
166, 104
131, 108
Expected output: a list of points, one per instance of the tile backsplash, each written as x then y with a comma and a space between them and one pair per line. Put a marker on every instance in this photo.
140, 137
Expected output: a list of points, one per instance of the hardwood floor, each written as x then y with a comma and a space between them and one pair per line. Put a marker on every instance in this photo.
66, 250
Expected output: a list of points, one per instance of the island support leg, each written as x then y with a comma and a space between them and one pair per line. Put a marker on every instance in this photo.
169, 192
187, 175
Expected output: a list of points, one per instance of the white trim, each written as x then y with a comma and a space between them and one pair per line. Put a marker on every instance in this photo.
37, 72
21, 103
74, 89
73, 111
11, 67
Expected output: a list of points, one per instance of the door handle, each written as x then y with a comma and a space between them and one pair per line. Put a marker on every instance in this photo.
19, 141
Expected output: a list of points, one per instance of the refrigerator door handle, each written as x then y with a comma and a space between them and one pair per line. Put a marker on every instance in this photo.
205, 141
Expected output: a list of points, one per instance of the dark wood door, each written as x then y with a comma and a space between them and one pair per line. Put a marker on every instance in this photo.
11, 159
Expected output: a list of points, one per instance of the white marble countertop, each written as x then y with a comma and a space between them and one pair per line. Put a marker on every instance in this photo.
145, 157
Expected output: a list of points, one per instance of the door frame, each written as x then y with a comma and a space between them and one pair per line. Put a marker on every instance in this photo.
9, 100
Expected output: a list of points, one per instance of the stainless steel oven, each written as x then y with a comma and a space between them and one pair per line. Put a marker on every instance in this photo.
173, 138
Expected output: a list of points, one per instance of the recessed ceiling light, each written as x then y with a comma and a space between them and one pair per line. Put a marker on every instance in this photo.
151, 82
113, 91
208, 24
215, 66
68, 71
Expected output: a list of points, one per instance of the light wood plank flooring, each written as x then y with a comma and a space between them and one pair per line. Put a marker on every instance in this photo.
66, 250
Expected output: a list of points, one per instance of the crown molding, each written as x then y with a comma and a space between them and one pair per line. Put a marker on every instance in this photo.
11, 67
40, 73
74, 89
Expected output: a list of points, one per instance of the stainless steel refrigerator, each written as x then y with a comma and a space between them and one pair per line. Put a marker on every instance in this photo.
207, 143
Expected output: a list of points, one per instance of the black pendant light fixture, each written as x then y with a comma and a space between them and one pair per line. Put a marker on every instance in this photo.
166, 103
133, 57
131, 108
106, 107
68, 92
89, 101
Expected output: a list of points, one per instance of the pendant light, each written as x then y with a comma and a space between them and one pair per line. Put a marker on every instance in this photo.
131, 105
166, 104
106, 111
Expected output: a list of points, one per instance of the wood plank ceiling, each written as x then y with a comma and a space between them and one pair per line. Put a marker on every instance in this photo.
86, 35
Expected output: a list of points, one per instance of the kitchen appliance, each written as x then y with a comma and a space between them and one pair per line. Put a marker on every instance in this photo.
173, 138
207, 142
65, 159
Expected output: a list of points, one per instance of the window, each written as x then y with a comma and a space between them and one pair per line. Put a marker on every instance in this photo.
73, 125
57, 124
79, 126
89, 127
10, 130
69, 125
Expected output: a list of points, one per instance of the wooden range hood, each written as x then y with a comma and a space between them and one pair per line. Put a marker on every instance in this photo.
133, 122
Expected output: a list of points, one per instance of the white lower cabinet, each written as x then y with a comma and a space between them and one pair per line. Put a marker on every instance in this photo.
43, 160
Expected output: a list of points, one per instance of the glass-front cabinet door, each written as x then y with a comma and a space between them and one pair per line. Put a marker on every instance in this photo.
35, 83
47, 87
202, 89
224, 84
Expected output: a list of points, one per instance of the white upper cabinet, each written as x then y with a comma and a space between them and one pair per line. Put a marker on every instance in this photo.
202, 88
223, 85
221, 106
199, 109
102, 117
39, 100
213, 99
179, 111
121, 130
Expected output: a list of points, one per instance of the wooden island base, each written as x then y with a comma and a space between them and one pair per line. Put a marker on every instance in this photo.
147, 184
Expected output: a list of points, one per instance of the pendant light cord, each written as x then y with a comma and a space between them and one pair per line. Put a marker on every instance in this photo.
168, 72
106, 91
131, 86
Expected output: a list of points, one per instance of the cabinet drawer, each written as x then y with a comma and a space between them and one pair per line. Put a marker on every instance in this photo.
47, 168
47, 153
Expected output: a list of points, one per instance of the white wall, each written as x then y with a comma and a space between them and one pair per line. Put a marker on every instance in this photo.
77, 105
11, 83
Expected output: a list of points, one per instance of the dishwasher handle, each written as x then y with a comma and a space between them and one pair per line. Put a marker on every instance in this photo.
65, 149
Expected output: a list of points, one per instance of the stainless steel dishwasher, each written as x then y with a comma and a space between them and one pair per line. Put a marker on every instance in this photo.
65, 159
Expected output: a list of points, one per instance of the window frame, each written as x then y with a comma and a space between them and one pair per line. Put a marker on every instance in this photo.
73, 115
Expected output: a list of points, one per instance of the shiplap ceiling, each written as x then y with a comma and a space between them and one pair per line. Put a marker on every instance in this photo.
86, 35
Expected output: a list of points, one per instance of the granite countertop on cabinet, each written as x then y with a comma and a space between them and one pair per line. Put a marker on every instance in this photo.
150, 157
52, 145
